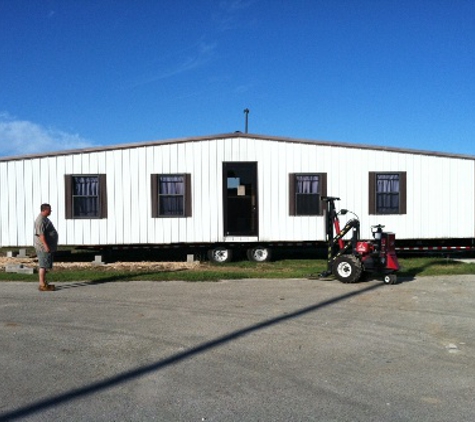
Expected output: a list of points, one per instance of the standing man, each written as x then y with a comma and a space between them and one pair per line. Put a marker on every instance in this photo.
46, 243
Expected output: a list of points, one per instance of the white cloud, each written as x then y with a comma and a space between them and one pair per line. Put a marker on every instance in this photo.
20, 137
194, 57
229, 16
204, 52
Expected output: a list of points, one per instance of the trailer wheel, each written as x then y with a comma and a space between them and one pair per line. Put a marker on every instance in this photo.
259, 254
347, 269
220, 255
390, 279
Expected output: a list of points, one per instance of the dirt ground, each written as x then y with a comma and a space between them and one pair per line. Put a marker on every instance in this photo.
32, 262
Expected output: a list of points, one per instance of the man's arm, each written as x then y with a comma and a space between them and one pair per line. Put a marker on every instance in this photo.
43, 240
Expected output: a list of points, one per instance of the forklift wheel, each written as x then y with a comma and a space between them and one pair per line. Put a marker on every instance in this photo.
390, 279
347, 269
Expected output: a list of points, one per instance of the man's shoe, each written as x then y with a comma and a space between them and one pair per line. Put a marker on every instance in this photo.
47, 288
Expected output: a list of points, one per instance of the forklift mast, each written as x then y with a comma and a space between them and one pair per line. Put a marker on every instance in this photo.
334, 233
331, 218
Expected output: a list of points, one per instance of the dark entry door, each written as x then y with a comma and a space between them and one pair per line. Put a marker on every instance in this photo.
240, 198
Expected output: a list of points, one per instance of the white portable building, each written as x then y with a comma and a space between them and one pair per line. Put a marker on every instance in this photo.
234, 189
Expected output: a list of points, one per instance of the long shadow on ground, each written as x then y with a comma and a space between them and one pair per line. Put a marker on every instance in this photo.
172, 360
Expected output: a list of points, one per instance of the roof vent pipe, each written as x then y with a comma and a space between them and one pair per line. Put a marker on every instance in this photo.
246, 112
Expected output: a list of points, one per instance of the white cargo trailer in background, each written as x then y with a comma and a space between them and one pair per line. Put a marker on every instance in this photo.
234, 191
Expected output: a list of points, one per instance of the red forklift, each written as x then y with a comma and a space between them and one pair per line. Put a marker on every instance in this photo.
349, 259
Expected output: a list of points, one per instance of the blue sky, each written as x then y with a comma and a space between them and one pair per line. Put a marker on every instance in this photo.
78, 73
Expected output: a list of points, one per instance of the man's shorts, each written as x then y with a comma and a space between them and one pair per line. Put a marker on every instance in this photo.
45, 259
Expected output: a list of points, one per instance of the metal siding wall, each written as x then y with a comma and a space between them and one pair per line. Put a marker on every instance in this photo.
207, 194
29, 206
117, 212
44, 187
288, 224
12, 222
3, 204
267, 185
179, 165
129, 171
132, 215
81, 231
280, 191
66, 226
433, 186
162, 165
440, 192
59, 211
151, 226
128, 177
101, 168
141, 207
20, 221
156, 234
142, 198
202, 214
217, 225
303, 160
273, 192
38, 197
422, 200
357, 186
185, 154
208, 197
275, 161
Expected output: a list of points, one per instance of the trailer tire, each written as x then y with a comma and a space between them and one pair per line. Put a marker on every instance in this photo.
259, 254
347, 269
220, 255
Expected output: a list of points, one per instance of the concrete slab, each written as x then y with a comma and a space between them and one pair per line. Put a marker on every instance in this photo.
250, 350
19, 268
465, 260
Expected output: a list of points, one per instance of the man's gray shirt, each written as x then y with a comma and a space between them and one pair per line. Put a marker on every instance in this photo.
43, 225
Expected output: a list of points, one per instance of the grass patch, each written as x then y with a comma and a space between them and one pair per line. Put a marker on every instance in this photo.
285, 268
434, 267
